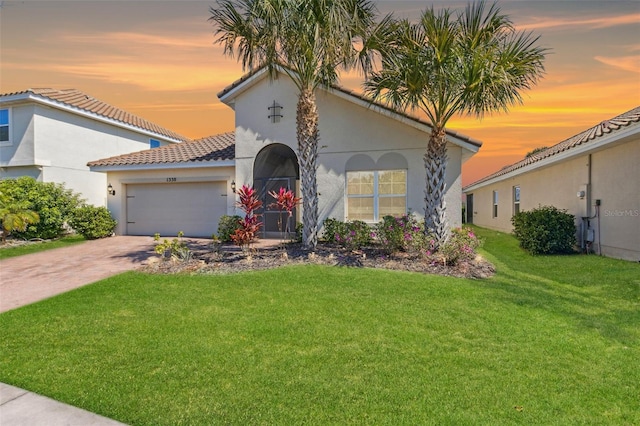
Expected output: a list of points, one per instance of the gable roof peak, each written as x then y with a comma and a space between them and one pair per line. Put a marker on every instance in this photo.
352, 95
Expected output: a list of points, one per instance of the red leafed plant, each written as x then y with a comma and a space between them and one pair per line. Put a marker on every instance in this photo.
250, 225
286, 201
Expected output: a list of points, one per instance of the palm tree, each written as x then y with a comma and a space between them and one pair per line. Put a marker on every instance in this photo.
308, 40
14, 216
475, 63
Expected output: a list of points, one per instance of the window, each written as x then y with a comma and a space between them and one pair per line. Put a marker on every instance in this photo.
4, 125
371, 195
153, 143
495, 204
516, 199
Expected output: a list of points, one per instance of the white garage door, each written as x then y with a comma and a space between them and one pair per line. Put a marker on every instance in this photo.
167, 208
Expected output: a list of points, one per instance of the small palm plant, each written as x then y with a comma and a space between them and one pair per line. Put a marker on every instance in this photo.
14, 216
286, 201
250, 225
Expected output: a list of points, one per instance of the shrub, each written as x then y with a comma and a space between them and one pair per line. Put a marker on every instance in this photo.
402, 233
51, 201
353, 234
227, 226
174, 249
14, 216
298, 237
332, 227
92, 222
250, 225
545, 230
286, 201
461, 246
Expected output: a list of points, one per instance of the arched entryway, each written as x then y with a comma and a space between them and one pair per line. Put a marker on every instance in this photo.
276, 166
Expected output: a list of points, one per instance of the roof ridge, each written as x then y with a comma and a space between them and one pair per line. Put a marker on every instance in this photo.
603, 128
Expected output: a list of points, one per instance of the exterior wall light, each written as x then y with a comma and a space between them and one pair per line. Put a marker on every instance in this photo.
233, 186
110, 190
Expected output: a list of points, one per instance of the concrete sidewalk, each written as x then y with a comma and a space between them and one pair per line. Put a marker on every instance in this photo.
21, 408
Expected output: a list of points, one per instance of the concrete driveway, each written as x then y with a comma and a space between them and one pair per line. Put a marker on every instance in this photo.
33, 277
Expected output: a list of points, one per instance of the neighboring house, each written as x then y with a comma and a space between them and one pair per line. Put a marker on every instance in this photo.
370, 163
51, 134
593, 175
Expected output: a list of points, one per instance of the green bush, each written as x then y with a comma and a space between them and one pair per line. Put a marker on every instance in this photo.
332, 228
461, 246
92, 222
51, 201
353, 234
227, 226
401, 233
545, 230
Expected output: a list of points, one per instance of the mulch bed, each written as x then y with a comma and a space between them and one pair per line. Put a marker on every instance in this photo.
206, 259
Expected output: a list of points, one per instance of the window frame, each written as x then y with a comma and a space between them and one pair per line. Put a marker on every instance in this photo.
494, 209
516, 199
375, 195
151, 143
8, 126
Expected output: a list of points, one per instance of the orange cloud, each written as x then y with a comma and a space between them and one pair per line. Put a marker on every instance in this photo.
129, 39
152, 76
600, 22
627, 63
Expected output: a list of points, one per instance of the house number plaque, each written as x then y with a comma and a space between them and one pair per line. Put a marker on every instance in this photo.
172, 179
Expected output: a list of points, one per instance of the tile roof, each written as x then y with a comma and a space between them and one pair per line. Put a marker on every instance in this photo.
611, 126
78, 100
212, 148
355, 96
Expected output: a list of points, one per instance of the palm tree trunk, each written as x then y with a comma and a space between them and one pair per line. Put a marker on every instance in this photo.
307, 129
435, 163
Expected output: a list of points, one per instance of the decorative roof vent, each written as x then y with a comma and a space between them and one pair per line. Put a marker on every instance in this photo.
274, 112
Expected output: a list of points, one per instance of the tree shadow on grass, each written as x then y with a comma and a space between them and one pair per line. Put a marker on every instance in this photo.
610, 308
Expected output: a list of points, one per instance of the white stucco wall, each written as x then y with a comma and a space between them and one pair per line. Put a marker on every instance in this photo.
19, 151
616, 183
56, 145
346, 130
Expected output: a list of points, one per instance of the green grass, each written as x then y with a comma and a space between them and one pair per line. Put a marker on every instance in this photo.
8, 252
548, 340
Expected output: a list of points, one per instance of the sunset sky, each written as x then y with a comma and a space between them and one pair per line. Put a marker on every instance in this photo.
157, 59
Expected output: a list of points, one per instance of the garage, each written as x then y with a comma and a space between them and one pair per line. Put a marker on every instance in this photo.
168, 208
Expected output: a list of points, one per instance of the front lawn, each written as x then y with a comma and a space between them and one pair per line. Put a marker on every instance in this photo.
548, 340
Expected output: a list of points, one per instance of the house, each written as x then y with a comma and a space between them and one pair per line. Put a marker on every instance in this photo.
370, 163
594, 175
51, 134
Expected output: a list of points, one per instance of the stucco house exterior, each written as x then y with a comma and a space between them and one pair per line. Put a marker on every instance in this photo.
370, 163
51, 134
594, 175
